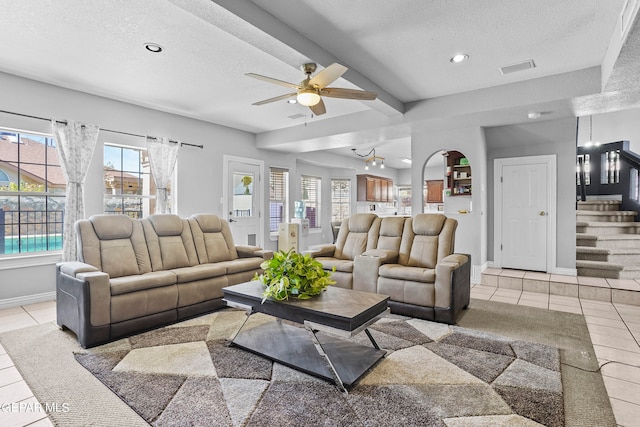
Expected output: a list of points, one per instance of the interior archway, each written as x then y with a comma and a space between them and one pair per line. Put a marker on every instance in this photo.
446, 175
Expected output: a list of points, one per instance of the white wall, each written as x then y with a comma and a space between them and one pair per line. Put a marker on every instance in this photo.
612, 127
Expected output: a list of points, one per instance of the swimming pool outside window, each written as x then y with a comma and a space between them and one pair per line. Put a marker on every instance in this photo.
32, 193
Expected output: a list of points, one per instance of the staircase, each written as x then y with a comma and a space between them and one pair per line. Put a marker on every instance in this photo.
607, 240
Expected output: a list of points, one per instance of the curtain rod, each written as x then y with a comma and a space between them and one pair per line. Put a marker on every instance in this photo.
106, 130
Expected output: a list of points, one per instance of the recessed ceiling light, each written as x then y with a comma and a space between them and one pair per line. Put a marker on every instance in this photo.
153, 47
405, 160
292, 101
461, 57
534, 115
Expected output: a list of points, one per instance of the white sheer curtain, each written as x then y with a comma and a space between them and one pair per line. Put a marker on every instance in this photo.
76, 143
162, 158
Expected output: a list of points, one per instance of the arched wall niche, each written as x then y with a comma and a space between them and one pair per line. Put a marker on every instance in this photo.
446, 175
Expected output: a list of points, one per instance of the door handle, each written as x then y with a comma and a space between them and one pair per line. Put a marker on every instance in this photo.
232, 220
542, 213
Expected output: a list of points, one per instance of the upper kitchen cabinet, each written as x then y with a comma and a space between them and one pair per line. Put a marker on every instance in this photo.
374, 189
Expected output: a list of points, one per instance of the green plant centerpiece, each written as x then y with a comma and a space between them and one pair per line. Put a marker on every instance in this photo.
292, 274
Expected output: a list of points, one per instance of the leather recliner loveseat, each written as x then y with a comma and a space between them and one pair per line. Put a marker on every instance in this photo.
410, 259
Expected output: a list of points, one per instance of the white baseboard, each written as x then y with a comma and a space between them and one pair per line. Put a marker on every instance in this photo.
476, 272
27, 299
555, 270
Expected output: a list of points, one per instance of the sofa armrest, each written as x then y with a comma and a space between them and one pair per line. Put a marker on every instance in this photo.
83, 302
386, 256
73, 268
253, 251
453, 281
321, 250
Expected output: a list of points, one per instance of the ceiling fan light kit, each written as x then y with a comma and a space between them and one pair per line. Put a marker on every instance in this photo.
309, 92
308, 98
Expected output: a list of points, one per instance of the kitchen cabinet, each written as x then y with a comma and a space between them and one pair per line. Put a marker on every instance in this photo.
372, 188
434, 191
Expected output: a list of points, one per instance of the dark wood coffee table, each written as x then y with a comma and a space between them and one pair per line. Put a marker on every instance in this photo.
320, 348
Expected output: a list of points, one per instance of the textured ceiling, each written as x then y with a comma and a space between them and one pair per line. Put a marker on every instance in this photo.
399, 49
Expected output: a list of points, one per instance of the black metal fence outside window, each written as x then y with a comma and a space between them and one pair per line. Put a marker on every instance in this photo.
30, 231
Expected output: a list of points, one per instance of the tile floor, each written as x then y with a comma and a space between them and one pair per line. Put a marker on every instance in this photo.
614, 329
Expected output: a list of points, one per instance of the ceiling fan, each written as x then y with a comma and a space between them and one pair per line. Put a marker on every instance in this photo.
309, 91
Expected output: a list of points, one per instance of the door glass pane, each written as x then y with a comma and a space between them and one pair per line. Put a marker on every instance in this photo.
243, 194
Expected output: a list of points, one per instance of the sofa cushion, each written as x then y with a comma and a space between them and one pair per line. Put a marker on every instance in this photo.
343, 265
199, 272
409, 292
357, 234
216, 247
241, 265
401, 272
118, 258
212, 238
110, 227
390, 233
174, 254
170, 242
208, 223
143, 303
138, 282
424, 252
167, 225
428, 224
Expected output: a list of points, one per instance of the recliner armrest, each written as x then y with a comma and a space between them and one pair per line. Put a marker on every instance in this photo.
444, 278
73, 268
321, 250
253, 251
386, 256
89, 285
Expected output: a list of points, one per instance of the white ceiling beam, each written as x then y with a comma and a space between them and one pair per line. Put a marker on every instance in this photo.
283, 42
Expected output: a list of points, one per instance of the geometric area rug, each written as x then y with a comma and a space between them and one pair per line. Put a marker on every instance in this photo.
433, 375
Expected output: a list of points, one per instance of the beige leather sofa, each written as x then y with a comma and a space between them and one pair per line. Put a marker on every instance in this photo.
410, 259
135, 275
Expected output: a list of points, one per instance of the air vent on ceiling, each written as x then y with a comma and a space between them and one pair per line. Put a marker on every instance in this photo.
296, 116
521, 66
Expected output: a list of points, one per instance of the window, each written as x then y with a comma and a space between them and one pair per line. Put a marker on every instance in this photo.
128, 185
278, 197
311, 198
404, 196
585, 159
32, 193
610, 167
340, 199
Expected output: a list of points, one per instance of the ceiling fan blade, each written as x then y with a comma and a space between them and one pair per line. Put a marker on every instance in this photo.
337, 92
277, 98
274, 81
328, 75
318, 109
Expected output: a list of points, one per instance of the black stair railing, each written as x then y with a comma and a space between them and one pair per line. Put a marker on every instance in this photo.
610, 169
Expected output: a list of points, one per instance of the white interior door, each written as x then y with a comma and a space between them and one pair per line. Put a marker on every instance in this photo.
525, 216
243, 200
